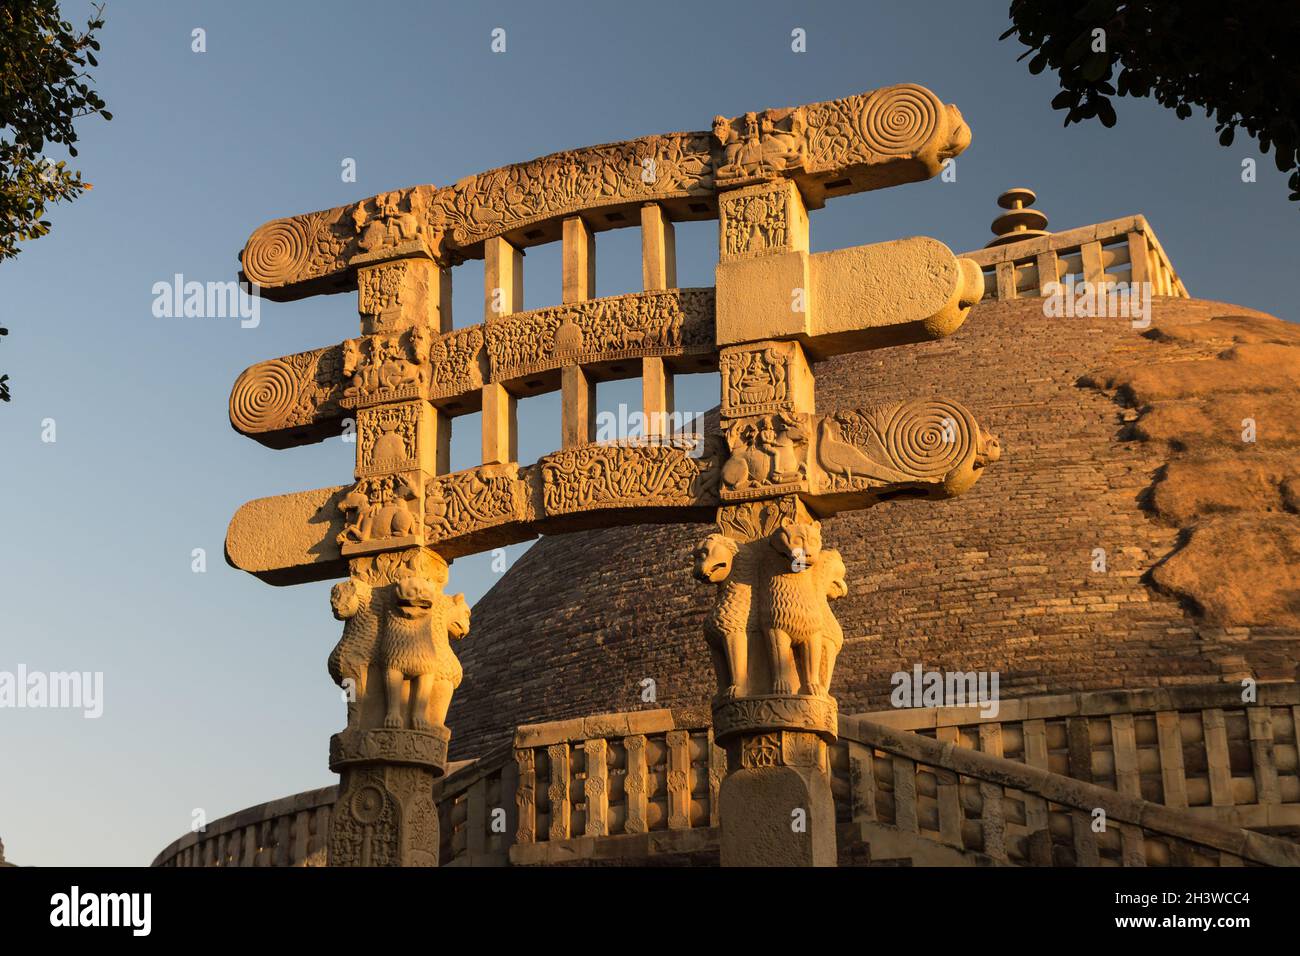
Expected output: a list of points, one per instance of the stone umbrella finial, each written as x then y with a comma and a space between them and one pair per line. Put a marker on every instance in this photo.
1019, 222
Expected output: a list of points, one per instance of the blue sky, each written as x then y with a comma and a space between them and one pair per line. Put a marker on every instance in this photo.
215, 691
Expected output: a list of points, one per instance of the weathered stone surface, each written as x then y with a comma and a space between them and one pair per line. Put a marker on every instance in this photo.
1220, 393
1239, 570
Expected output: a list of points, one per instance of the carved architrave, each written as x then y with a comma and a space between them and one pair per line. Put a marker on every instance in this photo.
640, 170
292, 392
765, 377
930, 444
892, 135
474, 499
594, 477
669, 322
775, 712
768, 456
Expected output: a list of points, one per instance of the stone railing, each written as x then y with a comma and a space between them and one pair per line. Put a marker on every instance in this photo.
476, 821
631, 786
290, 831
1121, 250
642, 786
932, 802
1197, 747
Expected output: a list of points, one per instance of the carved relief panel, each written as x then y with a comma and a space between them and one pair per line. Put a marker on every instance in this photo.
382, 512
471, 500
390, 437
768, 456
386, 368
762, 220
765, 377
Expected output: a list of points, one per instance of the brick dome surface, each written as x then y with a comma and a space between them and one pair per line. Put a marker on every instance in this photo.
1102, 449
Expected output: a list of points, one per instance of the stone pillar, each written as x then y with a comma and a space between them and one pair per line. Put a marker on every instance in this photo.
500, 425
772, 634
579, 261
774, 641
578, 401
396, 667
658, 249
503, 279
385, 814
656, 396
658, 271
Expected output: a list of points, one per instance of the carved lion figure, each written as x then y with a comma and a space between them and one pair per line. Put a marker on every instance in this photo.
415, 646
352, 603
832, 578
726, 630
794, 612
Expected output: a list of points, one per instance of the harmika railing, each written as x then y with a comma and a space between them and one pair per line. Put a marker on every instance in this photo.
1121, 250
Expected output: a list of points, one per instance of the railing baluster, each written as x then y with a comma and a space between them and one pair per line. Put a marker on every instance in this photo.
596, 789
526, 796
1139, 269
679, 779
1128, 781
636, 785
905, 795
1216, 757
558, 792
717, 770
1006, 273
949, 795
1094, 272
1049, 271
476, 817
1260, 718
1173, 778
993, 821
1036, 816
862, 781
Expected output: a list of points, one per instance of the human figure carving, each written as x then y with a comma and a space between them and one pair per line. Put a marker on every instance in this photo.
726, 630
781, 436
415, 647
